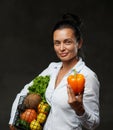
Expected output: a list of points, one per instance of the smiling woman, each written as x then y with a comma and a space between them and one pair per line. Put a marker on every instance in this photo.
65, 44
69, 110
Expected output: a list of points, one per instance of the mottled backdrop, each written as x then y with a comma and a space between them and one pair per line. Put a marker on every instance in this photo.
26, 46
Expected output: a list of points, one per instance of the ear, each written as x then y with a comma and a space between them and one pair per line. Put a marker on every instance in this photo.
80, 43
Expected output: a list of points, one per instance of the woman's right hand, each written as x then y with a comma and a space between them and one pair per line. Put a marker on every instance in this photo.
76, 102
12, 127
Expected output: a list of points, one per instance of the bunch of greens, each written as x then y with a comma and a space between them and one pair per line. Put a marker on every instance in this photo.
39, 86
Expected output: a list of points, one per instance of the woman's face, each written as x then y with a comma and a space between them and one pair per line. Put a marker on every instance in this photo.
65, 44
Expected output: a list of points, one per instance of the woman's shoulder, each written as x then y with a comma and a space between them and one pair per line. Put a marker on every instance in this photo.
82, 67
89, 73
55, 64
51, 67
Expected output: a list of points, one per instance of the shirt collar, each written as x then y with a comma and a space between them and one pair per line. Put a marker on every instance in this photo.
80, 64
78, 67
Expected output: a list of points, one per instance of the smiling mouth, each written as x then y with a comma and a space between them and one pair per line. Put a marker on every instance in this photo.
63, 54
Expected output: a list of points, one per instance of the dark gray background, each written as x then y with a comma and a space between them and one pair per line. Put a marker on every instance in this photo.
26, 46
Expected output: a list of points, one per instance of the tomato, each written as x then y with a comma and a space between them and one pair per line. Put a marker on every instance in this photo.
76, 82
28, 115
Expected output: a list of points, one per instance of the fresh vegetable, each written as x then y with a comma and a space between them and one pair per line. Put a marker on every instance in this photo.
34, 108
32, 100
40, 105
39, 86
35, 125
22, 124
29, 115
76, 82
43, 108
41, 117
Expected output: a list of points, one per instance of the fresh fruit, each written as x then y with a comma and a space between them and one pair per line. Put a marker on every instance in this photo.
43, 108
41, 117
32, 100
35, 125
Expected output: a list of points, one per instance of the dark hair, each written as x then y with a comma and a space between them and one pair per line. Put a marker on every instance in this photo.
74, 22
69, 21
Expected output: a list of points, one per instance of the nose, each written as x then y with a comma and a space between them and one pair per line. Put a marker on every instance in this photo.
62, 46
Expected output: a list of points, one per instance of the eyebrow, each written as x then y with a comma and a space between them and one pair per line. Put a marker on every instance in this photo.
68, 39
65, 39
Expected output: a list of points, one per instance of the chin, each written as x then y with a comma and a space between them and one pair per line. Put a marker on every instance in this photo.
64, 59
67, 59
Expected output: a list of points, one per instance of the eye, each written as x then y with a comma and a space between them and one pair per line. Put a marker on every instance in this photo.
68, 41
56, 43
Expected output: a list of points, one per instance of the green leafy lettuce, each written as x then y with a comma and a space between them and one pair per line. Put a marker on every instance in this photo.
39, 86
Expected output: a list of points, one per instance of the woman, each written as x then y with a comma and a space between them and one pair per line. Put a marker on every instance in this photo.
68, 111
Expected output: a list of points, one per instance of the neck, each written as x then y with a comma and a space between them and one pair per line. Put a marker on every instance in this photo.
68, 65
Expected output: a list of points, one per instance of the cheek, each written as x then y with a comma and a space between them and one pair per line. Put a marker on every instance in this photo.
74, 50
55, 49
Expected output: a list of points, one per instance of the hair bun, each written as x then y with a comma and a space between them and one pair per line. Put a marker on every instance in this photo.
71, 17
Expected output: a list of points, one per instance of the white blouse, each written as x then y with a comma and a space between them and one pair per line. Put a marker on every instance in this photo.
62, 116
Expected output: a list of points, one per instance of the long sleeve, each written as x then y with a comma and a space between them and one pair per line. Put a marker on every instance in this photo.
90, 119
23, 92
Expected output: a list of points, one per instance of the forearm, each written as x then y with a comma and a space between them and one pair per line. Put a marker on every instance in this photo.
14, 108
89, 120
16, 101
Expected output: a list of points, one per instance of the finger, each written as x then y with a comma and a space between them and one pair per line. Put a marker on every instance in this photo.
79, 97
71, 96
12, 127
71, 92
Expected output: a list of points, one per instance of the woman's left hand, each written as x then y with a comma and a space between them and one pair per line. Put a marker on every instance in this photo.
75, 101
11, 127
